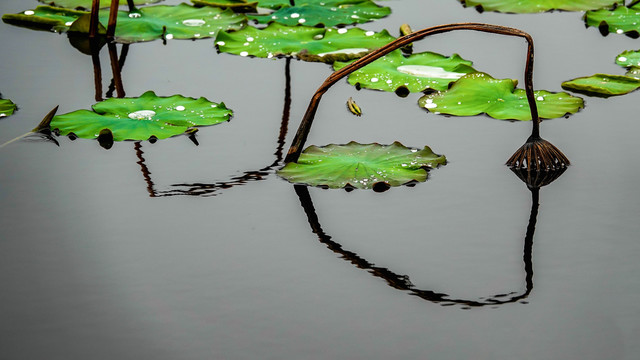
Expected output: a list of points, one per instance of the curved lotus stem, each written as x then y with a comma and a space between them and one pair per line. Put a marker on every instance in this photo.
307, 120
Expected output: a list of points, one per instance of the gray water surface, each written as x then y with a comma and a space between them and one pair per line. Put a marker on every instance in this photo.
93, 266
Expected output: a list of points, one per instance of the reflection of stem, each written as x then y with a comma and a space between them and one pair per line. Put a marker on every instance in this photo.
115, 69
145, 170
97, 71
124, 50
261, 174
402, 282
307, 120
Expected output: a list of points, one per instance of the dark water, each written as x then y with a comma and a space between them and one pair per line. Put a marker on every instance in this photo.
94, 267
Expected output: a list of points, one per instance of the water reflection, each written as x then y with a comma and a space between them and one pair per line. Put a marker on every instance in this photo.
533, 180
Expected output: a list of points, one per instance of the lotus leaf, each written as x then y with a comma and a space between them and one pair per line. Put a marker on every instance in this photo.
142, 118
325, 12
235, 5
479, 93
629, 59
149, 23
273, 4
603, 85
621, 20
45, 17
417, 72
86, 4
529, 6
363, 166
7, 107
307, 43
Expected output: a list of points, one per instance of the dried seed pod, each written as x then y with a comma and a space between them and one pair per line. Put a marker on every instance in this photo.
353, 107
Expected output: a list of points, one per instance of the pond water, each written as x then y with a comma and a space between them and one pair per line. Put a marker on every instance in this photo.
99, 261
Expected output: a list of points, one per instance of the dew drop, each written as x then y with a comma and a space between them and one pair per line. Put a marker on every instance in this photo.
135, 15
302, 21
318, 37
244, 53
540, 98
142, 115
168, 36
374, 79
622, 58
295, 15
369, 33
250, 38
342, 31
29, 12
69, 23
221, 43
619, 31
180, 108
193, 22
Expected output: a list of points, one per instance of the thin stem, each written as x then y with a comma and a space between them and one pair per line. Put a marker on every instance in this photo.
113, 18
307, 120
132, 7
93, 23
115, 69
97, 70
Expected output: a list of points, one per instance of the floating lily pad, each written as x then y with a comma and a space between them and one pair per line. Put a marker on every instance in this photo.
86, 4
535, 6
45, 18
149, 23
479, 93
142, 118
363, 166
629, 59
325, 12
7, 107
235, 5
621, 20
307, 43
415, 73
603, 85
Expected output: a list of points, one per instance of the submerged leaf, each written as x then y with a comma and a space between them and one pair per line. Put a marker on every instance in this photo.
86, 4
363, 166
416, 73
7, 107
528, 6
149, 23
479, 93
325, 12
603, 85
621, 20
142, 118
307, 43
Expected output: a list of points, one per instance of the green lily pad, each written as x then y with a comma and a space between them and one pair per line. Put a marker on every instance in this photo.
243, 6
603, 85
363, 166
479, 93
148, 23
142, 118
416, 73
7, 107
86, 4
325, 12
45, 18
273, 4
621, 20
528, 6
629, 59
307, 43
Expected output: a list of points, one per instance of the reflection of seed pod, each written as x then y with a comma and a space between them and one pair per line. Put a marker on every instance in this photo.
353, 107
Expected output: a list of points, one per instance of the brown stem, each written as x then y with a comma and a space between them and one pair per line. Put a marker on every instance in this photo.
113, 18
307, 120
97, 71
115, 69
93, 23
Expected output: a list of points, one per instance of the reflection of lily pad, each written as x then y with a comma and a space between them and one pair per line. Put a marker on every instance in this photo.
528, 6
235, 5
152, 22
621, 20
367, 166
86, 4
142, 118
416, 73
307, 43
603, 85
479, 93
325, 12
7, 107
